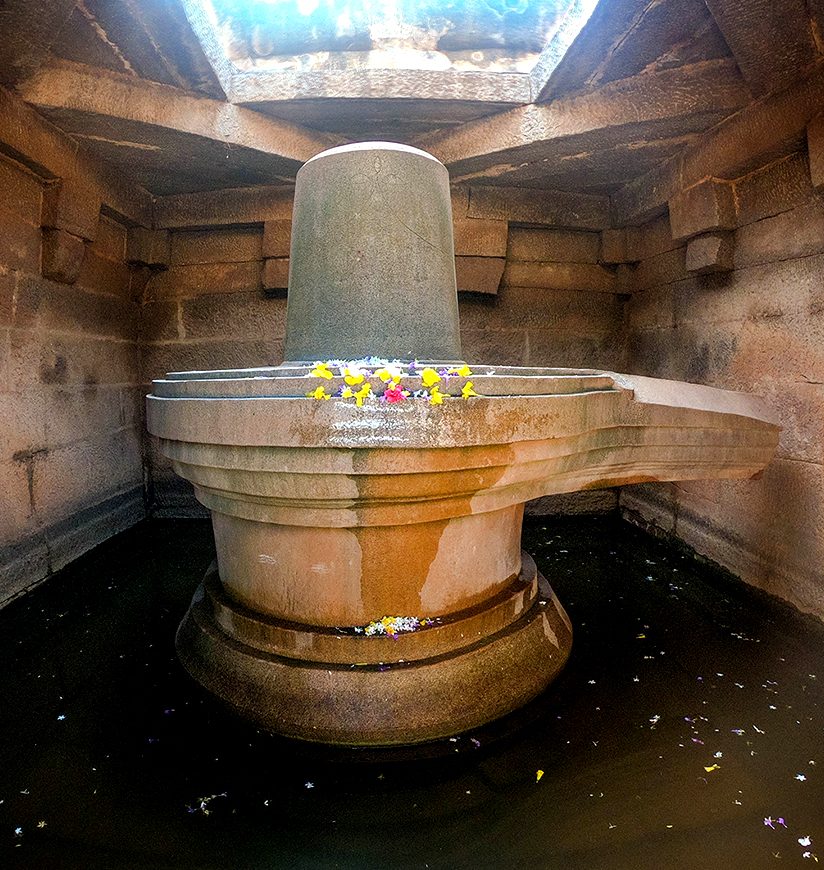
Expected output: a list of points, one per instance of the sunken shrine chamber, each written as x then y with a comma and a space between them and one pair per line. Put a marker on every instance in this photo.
367, 494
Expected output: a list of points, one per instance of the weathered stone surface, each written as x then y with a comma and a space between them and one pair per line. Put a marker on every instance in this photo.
703, 208
245, 314
790, 234
659, 269
815, 148
501, 346
147, 247
51, 306
86, 101
459, 197
710, 252
155, 39
578, 65
772, 42
205, 278
160, 321
216, 245
556, 246
563, 312
224, 207
368, 118
319, 703
758, 327
779, 187
560, 276
475, 237
277, 237
548, 347
19, 241
104, 274
620, 246
603, 501
650, 106
29, 29
553, 208
479, 274
764, 131
73, 206
657, 27
653, 238
276, 273
63, 255
70, 432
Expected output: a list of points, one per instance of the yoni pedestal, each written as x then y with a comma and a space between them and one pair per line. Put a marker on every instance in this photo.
331, 515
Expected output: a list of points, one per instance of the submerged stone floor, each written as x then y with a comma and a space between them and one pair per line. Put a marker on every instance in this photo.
686, 732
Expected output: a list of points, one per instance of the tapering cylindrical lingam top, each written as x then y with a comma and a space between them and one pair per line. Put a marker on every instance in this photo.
372, 266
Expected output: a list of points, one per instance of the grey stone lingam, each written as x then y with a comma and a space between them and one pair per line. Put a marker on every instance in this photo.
370, 587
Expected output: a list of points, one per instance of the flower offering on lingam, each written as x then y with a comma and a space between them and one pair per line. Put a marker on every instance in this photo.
391, 382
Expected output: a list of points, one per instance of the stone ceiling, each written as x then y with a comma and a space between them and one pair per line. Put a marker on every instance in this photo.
181, 97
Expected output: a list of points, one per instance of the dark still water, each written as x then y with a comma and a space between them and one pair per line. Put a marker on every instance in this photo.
686, 732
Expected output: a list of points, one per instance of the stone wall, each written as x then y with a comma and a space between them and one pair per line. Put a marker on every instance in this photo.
529, 296
758, 328
71, 430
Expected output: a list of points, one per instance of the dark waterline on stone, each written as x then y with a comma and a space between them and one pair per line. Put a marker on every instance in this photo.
129, 764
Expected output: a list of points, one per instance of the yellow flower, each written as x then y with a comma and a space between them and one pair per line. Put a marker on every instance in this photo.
467, 390
318, 393
389, 373
347, 393
462, 372
429, 377
321, 370
362, 393
436, 397
538, 775
353, 376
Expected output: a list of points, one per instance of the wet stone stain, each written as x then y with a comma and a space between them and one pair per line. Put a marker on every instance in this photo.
56, 372
685, 732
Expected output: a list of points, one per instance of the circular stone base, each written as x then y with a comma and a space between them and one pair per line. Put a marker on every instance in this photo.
379, 704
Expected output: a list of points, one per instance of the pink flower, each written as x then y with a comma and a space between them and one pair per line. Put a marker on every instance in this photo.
394, 394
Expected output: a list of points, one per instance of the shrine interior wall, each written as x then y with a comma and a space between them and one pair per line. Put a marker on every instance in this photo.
757, 328
71, 432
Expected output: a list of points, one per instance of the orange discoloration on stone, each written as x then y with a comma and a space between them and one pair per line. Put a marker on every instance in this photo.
396, 564
477, 555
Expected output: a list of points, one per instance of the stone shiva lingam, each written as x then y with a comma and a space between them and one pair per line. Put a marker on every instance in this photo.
367, 495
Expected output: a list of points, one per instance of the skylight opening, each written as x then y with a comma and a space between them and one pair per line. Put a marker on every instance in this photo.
505, 35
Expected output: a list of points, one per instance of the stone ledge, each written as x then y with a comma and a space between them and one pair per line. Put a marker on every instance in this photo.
30, 561
706, 207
